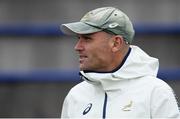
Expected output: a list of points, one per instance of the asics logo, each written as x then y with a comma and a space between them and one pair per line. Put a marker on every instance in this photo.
88, 108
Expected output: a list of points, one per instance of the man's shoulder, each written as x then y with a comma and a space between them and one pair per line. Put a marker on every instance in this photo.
81, 88
154, 85
157, 82
150, 83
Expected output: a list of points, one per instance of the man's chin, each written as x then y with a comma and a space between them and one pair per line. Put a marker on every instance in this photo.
82, 67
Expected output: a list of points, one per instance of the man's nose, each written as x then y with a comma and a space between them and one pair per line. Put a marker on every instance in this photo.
79, 45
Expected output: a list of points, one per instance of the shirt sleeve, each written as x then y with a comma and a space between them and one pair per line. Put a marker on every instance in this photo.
64, 112
164, 103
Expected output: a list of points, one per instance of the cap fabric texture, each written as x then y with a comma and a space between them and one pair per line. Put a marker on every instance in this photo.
108, 19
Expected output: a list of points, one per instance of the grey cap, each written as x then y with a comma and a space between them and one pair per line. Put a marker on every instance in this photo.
108, 19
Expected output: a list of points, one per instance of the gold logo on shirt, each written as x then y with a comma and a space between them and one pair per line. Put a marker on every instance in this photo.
128, 106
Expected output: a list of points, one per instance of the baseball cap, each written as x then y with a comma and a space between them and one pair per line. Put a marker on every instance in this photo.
108, 19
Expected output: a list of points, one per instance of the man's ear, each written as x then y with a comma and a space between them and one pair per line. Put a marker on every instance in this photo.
117, 43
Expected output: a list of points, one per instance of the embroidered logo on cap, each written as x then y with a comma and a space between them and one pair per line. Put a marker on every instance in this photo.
113, 25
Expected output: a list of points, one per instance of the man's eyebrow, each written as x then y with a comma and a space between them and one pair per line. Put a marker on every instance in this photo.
88, 35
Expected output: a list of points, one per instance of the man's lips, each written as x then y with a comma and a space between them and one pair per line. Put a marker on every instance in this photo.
82, 58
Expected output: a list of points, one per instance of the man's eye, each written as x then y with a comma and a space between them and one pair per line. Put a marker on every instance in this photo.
87, 38
78, 37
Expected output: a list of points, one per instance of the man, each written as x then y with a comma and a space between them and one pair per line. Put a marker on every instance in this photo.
119, 79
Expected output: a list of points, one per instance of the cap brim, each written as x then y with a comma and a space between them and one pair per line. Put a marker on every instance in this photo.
78, 28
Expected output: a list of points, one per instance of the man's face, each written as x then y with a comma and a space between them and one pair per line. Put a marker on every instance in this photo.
94, 51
